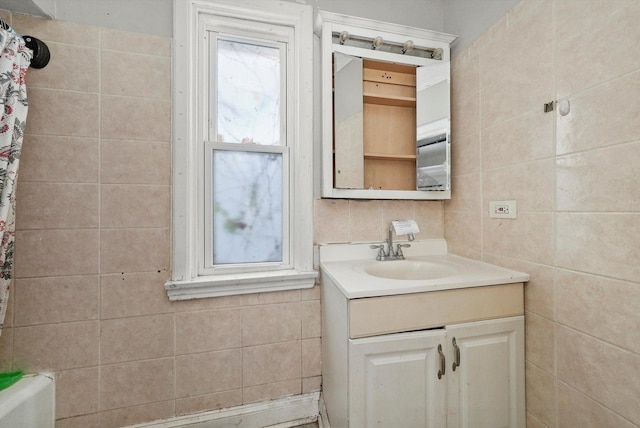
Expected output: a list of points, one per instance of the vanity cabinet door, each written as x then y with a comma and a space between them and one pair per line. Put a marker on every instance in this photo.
393, 381
486, 374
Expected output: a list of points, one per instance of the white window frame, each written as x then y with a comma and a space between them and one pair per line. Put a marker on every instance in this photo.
192, 20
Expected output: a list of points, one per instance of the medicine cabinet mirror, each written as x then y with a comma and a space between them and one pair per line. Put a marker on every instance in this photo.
386, 110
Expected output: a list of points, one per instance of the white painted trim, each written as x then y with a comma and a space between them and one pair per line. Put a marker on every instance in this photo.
274, 414
228, 285
185, 199
325, 25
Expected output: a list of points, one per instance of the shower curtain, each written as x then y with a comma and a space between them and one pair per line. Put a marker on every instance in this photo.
14, 62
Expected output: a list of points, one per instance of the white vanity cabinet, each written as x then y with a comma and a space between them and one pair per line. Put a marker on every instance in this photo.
393, 381
448, 358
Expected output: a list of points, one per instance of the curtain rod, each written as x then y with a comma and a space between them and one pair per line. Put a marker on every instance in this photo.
41, 54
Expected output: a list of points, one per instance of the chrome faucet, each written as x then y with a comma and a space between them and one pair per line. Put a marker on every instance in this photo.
390, 253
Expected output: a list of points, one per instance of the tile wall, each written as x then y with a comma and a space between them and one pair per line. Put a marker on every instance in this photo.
92, 252
576, 181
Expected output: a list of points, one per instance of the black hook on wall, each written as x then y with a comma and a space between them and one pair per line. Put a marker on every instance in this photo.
41, 54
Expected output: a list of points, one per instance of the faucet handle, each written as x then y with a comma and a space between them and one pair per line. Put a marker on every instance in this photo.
399, 250
380, 249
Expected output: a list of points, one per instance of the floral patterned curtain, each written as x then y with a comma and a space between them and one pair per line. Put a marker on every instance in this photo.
14, 62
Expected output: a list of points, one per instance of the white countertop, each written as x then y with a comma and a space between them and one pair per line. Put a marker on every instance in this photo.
346, 265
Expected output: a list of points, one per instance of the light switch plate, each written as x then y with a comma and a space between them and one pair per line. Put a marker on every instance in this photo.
503, 209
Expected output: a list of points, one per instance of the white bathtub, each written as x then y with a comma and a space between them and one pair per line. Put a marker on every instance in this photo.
29, 403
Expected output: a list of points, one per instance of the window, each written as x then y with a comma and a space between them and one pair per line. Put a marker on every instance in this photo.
242, 169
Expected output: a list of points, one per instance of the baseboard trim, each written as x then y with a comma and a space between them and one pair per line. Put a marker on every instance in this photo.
282, 413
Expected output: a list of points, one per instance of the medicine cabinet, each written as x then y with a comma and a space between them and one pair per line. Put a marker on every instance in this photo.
385, 110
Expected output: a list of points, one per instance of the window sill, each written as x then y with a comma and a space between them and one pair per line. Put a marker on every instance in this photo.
244, 283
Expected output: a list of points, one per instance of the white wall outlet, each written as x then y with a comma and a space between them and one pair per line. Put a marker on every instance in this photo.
503, 209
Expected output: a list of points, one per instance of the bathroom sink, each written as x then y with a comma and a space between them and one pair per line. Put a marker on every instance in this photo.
410, 269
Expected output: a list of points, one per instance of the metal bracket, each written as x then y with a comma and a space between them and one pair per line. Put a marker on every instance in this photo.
549, 106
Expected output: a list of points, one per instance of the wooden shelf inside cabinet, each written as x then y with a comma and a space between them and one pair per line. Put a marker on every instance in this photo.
385, 156
389, 101
389, 84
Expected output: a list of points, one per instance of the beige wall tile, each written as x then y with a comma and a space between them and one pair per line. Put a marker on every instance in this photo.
331, 221
135, 75
311, 384
56, 299
270, 323
466, 193
271, 363
430, 218
541, 394
514, 80
73, 68
6, 348
270, 298
602, 116
38, 253
465, 153
520, 139
84, 421
310, 293
135, 162
463, 231
599, 243
365, 220
50, 30
125, 205
599, 180
465, 72
134, 250
524, 86
577, 410
311, 352
134, 294
135, 383
76, 392
538, 291
127, 41
57, 206
208, 331
208, 304
601, 307
311, 319
576, 16
465, 117
201, 403
529, 237
540, 342
137, 338
578, 68
128, 118
606, 373
533, 422
208, 372
56, 346
271, 391
54, 112
531, 184
136, 414
61, 159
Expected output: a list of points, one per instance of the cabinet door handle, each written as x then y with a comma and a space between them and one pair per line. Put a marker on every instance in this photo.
456, 362
443, 363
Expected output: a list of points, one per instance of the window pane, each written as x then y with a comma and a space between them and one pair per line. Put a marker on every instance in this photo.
247, 207
248, 93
